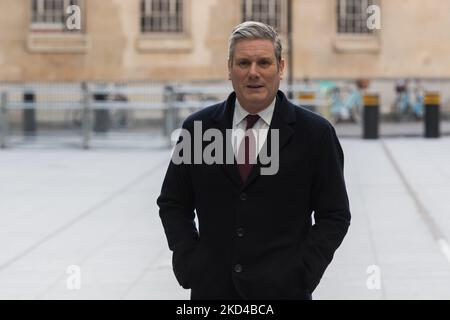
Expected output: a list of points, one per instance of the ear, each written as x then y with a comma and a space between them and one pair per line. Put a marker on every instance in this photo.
281, 67
229, 69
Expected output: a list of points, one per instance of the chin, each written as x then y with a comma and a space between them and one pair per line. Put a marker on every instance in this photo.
256, 97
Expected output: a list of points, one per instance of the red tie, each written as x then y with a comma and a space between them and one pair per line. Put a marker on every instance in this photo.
247, 148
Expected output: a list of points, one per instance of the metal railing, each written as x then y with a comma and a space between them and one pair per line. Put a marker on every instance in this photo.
93, 107
90, 111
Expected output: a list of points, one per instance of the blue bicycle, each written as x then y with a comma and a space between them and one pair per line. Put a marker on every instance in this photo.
346, 108
405, 109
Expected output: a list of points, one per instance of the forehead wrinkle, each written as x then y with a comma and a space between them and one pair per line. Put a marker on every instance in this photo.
254, 49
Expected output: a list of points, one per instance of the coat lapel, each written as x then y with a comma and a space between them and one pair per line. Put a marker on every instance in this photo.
224, 120
283, 117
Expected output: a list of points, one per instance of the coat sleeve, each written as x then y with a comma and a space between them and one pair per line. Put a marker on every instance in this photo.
330, 204
176, 210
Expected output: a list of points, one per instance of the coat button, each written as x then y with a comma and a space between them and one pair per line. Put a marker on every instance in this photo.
240, 232
243, 196
238, 268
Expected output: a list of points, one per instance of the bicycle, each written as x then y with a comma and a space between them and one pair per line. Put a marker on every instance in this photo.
348, 108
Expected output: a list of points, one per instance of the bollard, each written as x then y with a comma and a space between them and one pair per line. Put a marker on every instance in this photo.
371, 116
85, 119
169, 112
29, 114
3, 119
307, 100
102, 119
432, 115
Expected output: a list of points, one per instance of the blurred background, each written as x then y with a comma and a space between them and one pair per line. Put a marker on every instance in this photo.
91, 94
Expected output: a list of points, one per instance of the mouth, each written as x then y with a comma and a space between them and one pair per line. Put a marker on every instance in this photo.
255, 86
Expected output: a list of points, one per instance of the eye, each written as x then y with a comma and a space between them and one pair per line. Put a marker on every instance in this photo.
265, 63
243, 63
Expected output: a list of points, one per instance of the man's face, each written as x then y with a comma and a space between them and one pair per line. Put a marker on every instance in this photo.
254, 73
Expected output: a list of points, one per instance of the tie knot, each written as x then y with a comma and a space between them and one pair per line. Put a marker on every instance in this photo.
251, 120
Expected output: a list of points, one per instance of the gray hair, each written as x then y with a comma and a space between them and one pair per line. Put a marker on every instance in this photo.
254, 30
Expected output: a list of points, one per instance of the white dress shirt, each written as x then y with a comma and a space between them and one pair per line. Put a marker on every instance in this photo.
260, 128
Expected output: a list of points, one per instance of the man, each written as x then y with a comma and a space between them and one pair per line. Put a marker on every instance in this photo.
255, 237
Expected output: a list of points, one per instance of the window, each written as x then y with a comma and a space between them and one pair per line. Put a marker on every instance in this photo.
352, 16
50, 15
271, 12
162, 16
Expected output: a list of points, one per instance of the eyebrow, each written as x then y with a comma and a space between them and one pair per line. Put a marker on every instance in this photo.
261, 58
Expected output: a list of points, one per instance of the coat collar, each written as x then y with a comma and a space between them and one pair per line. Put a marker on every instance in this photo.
282, 119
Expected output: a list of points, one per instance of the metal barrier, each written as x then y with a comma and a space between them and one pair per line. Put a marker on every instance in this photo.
92, 106
94, 111
73, 105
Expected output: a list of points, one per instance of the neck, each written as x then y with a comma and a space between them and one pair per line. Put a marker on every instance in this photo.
253, 109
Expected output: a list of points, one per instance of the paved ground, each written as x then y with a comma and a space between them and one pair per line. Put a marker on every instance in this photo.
96, 210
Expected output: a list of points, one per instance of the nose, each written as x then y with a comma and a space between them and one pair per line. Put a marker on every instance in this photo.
253, 71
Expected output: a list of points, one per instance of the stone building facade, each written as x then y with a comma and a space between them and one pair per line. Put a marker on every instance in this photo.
187, 39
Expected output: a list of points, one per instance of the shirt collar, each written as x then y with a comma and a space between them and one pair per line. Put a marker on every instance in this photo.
240, 113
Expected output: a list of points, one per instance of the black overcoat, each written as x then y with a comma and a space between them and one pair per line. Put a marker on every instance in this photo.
258, 237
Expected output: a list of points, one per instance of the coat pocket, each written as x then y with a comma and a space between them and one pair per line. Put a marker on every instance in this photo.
194, 267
